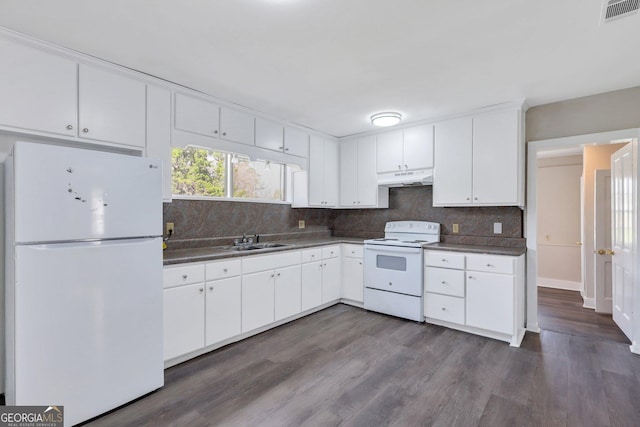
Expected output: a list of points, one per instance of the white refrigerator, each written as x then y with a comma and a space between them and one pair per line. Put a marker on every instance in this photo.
83, 278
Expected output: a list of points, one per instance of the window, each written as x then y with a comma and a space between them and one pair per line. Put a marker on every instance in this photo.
201, 172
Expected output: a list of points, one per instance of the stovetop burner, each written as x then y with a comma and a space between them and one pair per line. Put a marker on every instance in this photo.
408, 233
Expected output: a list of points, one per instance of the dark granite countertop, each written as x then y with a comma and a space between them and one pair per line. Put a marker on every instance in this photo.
477, 249
180, 256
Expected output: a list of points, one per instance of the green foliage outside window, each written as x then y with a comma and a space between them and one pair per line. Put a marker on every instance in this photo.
197, 172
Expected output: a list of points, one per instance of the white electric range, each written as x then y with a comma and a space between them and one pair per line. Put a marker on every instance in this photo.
393, 268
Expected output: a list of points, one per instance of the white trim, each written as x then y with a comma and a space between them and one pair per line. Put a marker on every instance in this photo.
530, 212
589, 303
635, 348
545, 282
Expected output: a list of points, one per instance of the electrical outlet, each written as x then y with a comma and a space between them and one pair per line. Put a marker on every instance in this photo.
301, 223
456, 228
497, 228
169, 229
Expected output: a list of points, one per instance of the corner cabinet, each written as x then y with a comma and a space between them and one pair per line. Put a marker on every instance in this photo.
476, 293
479, 160
358, 178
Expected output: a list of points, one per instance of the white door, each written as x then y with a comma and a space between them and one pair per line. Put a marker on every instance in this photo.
367, 179
183, 316
389, 152
349, 173
197, 115
316, 172
330, 173
418, 147
237, 126
331, 286
623, 231
602, 243
269, 135
287, 292
311, 285
452, 176
257, 300
296, 142
223, 309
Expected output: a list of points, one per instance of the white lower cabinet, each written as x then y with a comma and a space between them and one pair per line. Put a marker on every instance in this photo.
257, 300
223, 309
287, 292
331, 285
183, 320
476, 293
311, 272
352, 273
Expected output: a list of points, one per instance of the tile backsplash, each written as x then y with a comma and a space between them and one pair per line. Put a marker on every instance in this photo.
211, 222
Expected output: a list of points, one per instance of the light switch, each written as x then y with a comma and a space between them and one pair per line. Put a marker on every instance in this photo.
301, 223
497, 228
455, 228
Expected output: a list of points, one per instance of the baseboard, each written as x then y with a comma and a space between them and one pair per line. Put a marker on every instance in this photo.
635, 348
589, 303
567, 285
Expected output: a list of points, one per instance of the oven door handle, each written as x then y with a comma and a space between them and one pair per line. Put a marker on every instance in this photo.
392, 249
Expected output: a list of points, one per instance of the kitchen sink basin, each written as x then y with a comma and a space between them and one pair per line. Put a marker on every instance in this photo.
257, 246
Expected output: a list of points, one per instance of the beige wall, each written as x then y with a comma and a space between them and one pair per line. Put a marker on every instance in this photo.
558, 194
590, 114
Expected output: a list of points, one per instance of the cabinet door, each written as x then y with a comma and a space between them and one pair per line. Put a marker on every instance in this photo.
38, 90
316, 172
452, 172
495, 158
197, 115
311, 285
349, 173
287, 292
223, 309
159, 133
490, 301
418, 147
389, 152
112, 107
269, 135
183, 320
236, 126
331, 286
331, 172
353, 279
257, 300
296, 142
367, 179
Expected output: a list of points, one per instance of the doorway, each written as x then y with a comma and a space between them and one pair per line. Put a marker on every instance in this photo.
531, 213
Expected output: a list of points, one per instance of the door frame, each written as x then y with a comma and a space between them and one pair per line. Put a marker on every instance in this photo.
531, 217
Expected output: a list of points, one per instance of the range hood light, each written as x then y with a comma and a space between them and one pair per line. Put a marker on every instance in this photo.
386, 119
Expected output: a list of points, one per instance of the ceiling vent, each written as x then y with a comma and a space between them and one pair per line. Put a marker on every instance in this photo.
614, 9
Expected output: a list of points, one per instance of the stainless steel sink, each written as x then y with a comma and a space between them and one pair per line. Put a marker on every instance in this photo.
256, 246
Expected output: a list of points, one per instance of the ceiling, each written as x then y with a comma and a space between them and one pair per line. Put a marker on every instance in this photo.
330, 64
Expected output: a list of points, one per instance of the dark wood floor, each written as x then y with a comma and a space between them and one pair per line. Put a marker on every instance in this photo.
347, 366
562, 311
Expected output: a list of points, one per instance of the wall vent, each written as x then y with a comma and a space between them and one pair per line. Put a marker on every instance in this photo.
614, 9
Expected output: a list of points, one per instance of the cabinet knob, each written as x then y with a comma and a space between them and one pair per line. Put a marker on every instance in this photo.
475, 198
468, 198
224, 134
489, 265
278, 274
225, 270
354, 202
313, 255
210, 288
201, 289
360, 262
358, 202
444, 283
286, 149
69, 127
215, 132
280, 148
85, 130
470, 277
184, 276
444, 260
406, 167
273, 275
399, 167
444, 309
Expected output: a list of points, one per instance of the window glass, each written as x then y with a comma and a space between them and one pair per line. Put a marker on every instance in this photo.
197, 172
257, 179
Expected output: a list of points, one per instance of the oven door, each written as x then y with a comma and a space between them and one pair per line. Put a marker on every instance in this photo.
393, 269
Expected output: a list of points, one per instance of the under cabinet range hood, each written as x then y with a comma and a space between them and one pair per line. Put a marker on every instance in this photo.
406, 178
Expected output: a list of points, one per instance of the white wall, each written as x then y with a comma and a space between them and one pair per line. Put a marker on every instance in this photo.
558, 232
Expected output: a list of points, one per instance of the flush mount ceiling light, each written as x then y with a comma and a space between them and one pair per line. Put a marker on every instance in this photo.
386, 119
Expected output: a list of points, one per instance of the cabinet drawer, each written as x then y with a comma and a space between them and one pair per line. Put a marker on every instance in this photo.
310, 255
444, 281
254, 264
223, 269
491, 263
443, 307
184, 275
443, 259
353, 251
330, 252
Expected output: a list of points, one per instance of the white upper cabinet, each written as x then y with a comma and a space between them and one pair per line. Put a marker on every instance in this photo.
358, 180
236, 126
408, 149
323, 172
111, 107
296, 142
479, 160
38, 90
269, 135
197, 115
159, 133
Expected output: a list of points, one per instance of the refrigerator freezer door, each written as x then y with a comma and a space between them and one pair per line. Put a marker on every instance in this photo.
88, 325
65, 194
